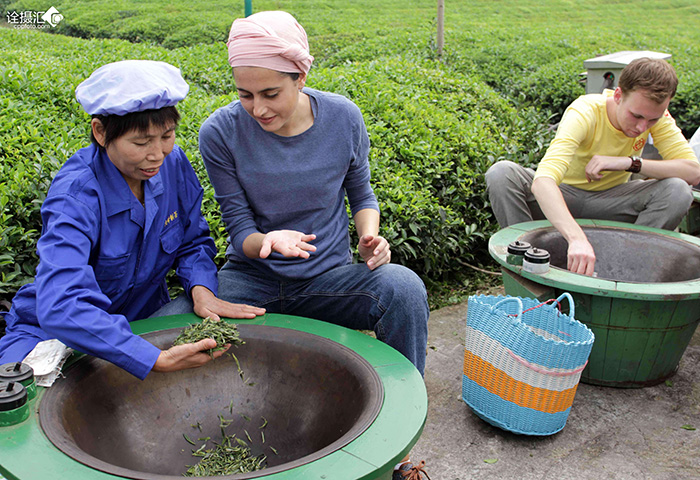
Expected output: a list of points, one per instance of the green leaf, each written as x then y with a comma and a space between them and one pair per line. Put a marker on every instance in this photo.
688, 427
491, 460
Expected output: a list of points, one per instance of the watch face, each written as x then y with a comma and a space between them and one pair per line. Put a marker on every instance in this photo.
636, 165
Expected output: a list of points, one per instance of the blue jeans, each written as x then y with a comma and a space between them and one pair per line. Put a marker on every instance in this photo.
391, 300
179, 306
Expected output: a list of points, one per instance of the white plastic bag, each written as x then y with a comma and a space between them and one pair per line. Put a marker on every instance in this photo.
46, 360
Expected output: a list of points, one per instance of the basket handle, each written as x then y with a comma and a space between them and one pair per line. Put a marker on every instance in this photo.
544, 371
516, 318
567, 295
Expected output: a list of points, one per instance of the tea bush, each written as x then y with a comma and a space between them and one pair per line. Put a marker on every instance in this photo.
433, 135
32, 148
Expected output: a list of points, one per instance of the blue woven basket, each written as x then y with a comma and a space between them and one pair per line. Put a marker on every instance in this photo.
522, 362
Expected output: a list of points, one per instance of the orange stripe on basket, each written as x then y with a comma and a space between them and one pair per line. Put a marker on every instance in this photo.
499, 383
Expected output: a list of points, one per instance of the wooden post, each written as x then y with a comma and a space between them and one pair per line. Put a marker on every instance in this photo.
440, 27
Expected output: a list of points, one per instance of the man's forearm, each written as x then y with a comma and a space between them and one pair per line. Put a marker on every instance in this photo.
552, 203
688, 170
580, 257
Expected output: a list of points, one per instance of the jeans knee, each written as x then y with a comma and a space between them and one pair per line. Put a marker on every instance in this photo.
179, 306
405, 285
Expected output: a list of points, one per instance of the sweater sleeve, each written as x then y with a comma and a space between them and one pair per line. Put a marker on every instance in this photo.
357, 181
221, 167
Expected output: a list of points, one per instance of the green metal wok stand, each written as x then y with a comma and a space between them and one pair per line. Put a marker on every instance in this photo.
643, 306
338, 404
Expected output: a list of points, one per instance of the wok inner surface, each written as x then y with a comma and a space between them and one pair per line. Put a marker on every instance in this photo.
313, 395
626, 254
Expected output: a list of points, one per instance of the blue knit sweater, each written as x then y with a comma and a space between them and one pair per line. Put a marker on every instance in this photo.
265, 182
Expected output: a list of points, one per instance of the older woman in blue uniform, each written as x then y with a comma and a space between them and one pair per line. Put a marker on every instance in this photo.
120, 214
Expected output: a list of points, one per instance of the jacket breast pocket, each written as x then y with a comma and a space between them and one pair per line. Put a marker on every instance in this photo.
110, 273
172, 237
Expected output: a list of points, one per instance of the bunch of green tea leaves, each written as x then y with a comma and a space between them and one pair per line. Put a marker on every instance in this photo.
230, 457
220, 331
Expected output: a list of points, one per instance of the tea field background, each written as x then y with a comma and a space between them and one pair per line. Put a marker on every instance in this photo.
508, 71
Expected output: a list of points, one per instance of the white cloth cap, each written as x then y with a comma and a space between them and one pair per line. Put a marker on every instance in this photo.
131, 86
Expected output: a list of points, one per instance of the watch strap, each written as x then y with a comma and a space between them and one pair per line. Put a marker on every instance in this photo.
636, 166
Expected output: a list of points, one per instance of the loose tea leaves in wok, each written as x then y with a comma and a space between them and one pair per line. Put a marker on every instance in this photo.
228, 458
231, 456
220, 331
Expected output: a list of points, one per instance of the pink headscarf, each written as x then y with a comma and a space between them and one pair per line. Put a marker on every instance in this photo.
273, 40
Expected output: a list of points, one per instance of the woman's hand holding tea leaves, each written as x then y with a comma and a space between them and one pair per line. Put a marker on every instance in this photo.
188, 355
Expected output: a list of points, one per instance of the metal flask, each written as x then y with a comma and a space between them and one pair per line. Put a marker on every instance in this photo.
536, 261
516, 252
19, 372
13, 403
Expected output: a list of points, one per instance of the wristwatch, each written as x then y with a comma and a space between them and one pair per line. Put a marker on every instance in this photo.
636, 164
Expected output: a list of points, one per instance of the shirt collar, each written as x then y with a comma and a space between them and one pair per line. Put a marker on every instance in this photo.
115, 187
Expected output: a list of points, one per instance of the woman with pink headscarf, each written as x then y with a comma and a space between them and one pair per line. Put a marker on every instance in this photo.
282, 160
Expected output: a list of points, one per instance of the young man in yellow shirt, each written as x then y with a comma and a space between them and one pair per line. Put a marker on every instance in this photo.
586, 170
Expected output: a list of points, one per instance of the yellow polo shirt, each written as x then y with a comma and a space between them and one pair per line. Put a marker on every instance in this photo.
585, 130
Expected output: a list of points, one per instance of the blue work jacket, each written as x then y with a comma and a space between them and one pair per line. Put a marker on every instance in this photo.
103, 259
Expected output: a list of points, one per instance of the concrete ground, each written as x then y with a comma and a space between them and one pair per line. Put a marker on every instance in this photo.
611, 433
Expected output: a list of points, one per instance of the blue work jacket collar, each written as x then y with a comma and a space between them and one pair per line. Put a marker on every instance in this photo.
119, 194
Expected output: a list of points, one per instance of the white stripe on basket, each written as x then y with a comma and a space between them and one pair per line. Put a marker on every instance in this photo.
546, 334
500, 357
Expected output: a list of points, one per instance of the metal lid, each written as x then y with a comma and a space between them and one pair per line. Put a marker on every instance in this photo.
12, 395
620, 60
15, 372
537, 255
518, 248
